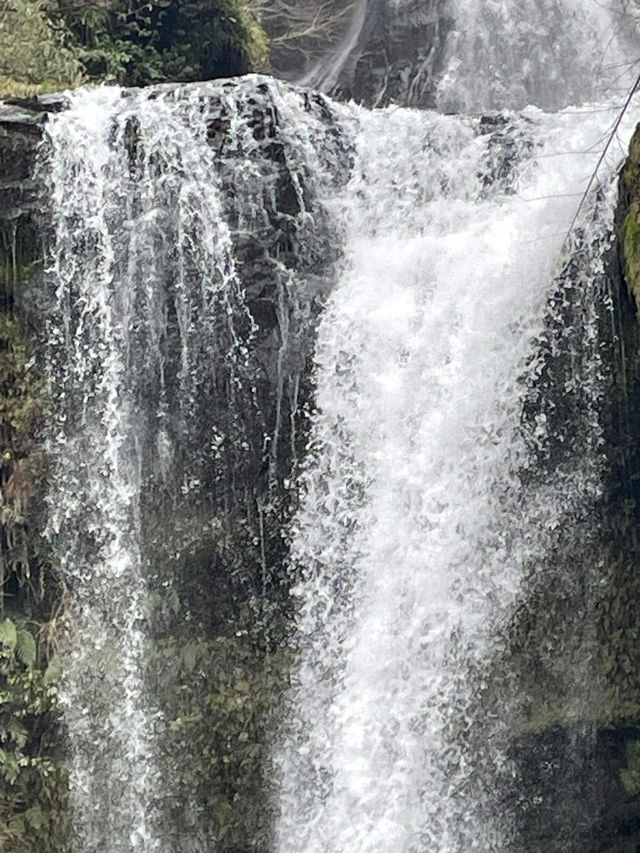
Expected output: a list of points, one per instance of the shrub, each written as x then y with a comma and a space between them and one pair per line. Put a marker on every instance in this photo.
33, 55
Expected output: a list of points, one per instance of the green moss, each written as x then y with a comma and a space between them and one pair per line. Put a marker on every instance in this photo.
252, 38
630, 775
630, 175
630, 229
630, 241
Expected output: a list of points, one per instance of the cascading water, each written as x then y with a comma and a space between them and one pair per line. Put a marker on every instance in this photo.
417, 528
545, 52
420, 519
114, 253
175, 353
325, 74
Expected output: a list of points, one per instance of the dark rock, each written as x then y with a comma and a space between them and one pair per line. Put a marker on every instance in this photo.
391, 53
399, 55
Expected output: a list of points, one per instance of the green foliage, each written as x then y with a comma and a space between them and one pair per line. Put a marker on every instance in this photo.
136, 42
220, 696
48, 45
21, 464
33, 781
631, 249
630, 230
33, 56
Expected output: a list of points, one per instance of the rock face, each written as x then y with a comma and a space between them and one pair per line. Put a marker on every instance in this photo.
390, 53
20, 134
580, 765
398, 55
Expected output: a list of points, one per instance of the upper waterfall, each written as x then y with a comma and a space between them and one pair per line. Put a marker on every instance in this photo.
550, 53
469, 56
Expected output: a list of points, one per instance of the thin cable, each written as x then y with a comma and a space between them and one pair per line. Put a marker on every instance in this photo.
602, 156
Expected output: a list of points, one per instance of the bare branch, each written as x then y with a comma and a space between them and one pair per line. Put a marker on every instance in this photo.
301, 29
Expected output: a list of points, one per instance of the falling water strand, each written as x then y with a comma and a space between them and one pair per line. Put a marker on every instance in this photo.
106, 286
150, 356
325, 73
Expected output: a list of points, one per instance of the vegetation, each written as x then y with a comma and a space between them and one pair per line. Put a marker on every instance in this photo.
140, 42
218, 695
33, 781
48, 45
33, 53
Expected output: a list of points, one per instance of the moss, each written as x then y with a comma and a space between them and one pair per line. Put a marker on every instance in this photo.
630, 175
630, 241
11, 88
629, 231
252, 38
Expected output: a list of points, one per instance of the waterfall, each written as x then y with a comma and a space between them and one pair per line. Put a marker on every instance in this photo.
117, 255
200, 237
545, 52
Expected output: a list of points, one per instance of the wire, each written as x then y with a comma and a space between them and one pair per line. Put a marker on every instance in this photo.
602, 156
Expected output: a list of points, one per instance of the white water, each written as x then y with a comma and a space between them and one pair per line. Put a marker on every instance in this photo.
148, 365
123, 260
416, 527
545, 52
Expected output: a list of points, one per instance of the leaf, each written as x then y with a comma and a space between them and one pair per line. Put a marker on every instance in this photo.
53, 672
8, 634
17, 733
174, 602
26, 648
34, 817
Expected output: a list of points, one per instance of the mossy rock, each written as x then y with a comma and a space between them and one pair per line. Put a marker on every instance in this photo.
629, 231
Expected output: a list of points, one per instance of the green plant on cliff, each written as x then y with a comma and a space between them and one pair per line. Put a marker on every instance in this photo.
219, 696
48, 45
630, 775
33, 53
33, 782
630, 228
